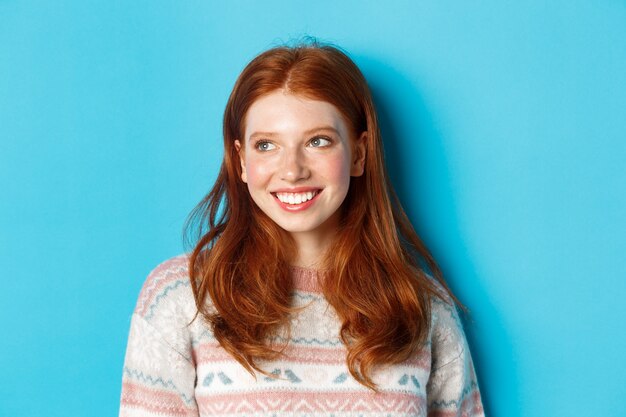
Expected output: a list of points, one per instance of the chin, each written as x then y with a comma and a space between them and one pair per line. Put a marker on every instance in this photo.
296, 228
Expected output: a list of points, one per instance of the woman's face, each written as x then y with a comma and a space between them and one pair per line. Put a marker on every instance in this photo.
297, 158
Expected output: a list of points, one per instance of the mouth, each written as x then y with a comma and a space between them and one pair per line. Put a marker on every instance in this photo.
296, 201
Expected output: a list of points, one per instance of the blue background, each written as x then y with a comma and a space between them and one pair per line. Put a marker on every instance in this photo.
505, 125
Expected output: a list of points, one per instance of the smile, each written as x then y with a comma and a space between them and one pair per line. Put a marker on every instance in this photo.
296, 201
296, 198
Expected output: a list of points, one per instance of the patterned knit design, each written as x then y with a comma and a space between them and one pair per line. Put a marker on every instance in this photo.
175, 367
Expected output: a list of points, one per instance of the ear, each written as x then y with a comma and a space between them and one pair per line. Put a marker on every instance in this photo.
358, 156
244, 177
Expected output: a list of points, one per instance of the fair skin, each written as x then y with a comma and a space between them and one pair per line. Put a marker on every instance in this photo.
297, 158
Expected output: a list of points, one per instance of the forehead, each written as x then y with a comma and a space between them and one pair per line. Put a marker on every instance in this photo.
280, 112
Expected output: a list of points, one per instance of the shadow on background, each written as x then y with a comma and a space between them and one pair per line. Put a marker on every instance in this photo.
414, 148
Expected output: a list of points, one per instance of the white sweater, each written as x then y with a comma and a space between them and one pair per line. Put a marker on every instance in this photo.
174, 368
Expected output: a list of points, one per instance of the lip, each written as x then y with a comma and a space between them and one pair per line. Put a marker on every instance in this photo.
296, 207
296, 190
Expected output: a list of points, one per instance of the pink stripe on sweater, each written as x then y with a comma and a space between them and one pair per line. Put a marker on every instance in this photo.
154, 400
211, 353
311, 402
208, 353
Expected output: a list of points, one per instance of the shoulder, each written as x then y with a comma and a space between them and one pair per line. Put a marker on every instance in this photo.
448, 342
160, 334
167, 291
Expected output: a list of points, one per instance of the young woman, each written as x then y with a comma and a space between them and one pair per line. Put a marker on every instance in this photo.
308, 293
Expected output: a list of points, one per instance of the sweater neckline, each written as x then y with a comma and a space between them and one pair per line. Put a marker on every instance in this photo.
305, 279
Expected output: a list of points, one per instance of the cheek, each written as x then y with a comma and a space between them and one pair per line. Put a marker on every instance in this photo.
337, 169
256, 172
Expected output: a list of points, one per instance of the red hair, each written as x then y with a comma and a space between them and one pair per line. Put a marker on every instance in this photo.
374, 273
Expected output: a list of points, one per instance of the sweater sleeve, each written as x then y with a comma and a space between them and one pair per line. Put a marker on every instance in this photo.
159, 373
452, 388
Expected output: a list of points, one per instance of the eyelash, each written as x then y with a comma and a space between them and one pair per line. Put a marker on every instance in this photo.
261, 142
326, 138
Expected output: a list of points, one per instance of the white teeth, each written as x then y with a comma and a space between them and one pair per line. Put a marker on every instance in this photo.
295, 198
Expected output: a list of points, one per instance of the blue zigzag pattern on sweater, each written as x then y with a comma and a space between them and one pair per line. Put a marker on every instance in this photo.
307, 341
156, 381
158, 298
456, 403
306, 297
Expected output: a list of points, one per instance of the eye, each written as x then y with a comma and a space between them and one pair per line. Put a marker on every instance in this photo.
320, 142
264, 146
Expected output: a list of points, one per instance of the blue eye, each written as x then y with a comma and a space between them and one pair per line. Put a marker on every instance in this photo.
264, 146
320, 142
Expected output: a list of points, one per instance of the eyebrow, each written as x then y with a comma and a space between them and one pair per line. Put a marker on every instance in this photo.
308, 132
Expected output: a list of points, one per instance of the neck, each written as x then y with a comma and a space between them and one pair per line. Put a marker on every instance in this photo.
310, 252
311, 249
312, 245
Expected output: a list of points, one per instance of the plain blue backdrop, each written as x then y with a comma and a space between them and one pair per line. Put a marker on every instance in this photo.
505, 129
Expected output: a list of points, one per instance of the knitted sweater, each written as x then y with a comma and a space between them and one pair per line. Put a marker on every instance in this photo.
173, 368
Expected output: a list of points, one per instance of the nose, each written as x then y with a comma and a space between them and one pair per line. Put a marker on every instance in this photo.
294, 166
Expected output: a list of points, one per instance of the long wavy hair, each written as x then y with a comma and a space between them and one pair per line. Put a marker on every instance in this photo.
376, 272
